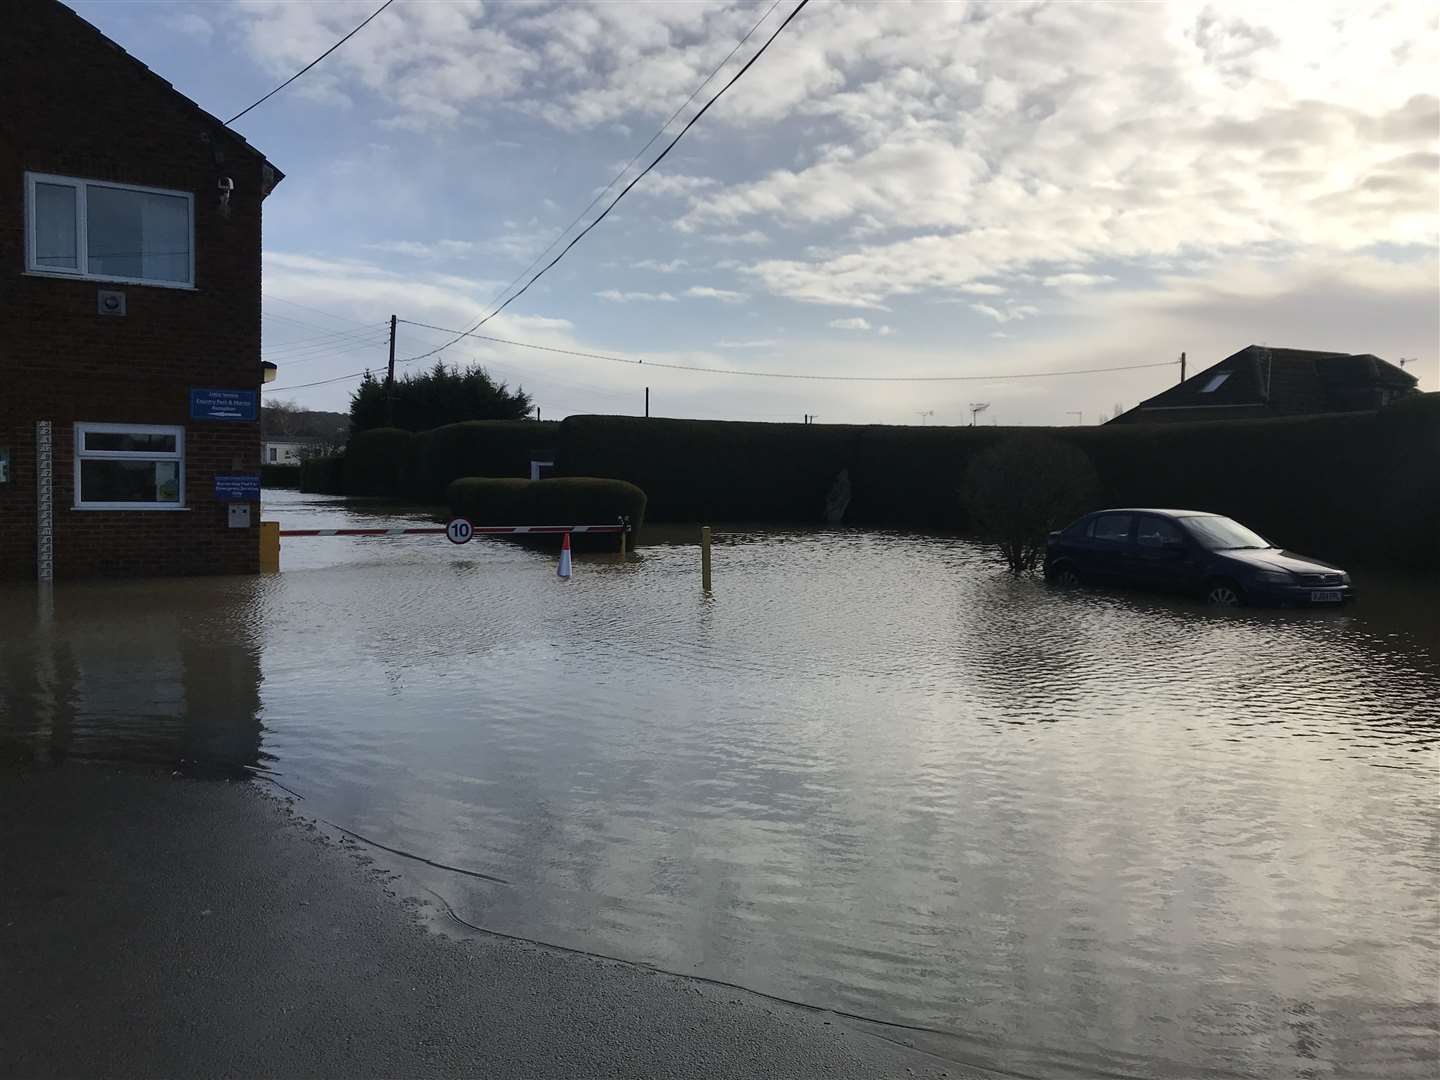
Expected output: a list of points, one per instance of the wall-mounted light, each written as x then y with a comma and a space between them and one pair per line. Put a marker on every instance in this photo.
268, 371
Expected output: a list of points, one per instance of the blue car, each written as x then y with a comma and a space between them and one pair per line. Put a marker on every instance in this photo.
1189, 551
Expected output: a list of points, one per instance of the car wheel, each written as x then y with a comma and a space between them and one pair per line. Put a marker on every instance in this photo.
1224, 593
1066, 577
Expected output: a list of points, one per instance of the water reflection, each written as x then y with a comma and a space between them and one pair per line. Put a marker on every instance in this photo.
1090, 833
164, 674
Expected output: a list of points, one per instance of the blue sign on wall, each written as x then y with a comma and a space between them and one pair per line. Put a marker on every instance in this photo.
238, 487
223, 404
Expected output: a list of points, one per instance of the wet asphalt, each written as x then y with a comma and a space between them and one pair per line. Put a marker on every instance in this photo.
153, 925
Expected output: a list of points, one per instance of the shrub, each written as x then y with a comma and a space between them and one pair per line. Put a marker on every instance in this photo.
477, 448
1017, 491
279, 476
442, 395
378, 462
567, 501
323, 475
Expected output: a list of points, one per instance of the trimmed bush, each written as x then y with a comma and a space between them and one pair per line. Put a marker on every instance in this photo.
323, 475
477, 448
579, 500
378, 462
1348, 486
280, 476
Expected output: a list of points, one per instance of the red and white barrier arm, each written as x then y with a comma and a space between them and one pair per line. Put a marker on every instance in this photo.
479, 530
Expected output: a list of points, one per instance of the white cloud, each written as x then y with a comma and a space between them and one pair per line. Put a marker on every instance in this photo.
886, 331
849, 324
195, 26
706, 292
1076, 281
758, 343
1011, 312
618, 297
418, 249
669, 266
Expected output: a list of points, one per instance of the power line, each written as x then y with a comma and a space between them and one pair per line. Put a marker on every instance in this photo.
626, 189
318, 311
1002, 377
788, 374
658, 132
310, 65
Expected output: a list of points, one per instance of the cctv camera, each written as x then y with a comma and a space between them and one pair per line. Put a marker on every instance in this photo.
226, 184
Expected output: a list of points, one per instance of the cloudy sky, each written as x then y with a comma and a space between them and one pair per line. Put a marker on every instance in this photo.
894, 189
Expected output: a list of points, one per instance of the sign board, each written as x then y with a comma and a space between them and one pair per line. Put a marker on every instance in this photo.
459, 531
223, 404
238, 487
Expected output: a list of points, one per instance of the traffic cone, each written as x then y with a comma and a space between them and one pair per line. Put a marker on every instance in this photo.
564, 570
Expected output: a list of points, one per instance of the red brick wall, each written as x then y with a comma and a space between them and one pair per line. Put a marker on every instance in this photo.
91, 111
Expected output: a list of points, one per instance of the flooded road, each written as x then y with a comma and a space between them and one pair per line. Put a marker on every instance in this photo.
1085, 833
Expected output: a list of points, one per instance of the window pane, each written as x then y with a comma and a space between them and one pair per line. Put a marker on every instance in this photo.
137, 234
1114, 528
130, 481
1157, 532
55, 246
151, 442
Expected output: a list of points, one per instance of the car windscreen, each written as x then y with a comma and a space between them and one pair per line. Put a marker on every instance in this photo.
1220, 534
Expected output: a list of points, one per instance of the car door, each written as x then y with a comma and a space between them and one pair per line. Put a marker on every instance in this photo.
1162, 558
1110, 552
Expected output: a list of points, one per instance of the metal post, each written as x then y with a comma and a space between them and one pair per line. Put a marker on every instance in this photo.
390, 380
44, 502
705, 558
647, 401
1182, 367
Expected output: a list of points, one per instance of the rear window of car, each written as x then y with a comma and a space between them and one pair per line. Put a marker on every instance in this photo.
1154, 532
1112, 528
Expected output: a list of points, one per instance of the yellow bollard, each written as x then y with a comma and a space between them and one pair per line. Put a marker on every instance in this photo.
269, 547
705, 557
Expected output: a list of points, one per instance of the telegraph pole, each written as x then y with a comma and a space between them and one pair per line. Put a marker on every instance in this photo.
926, 413
1182, 367
390, 380
647, 402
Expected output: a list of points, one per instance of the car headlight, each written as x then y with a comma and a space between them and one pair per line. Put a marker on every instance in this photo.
1275, 577
1344, 578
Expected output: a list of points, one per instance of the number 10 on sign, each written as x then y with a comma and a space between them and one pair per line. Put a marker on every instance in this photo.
459, 531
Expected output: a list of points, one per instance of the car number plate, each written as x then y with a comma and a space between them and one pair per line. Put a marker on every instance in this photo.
1324, 597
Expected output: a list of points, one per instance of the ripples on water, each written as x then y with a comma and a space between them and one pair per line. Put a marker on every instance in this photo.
1088, 833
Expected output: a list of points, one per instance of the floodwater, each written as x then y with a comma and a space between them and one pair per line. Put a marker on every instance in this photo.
1083, 833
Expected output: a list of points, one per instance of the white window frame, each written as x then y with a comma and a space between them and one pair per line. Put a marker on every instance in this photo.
81, 454
81, 272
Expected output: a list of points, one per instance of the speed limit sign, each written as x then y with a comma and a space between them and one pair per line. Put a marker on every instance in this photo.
459, 531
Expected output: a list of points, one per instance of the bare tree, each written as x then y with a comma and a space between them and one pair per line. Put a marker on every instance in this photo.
1019, 490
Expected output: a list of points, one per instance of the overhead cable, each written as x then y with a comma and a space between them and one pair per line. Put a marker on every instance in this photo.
310, 65
658, 132
626, 189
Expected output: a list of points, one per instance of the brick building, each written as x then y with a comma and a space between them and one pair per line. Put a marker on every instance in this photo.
129, 313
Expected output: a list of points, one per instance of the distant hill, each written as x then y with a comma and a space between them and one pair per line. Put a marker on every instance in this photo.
282, 420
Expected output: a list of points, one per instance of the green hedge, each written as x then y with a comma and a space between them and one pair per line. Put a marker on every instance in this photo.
323, 475
570, 501
279, 476
1362, 486
476, 448
379, 462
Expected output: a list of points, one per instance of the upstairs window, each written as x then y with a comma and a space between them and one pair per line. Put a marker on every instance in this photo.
1215, 382
109, 232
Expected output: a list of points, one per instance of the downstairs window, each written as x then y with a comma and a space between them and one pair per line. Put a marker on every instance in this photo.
129, 467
